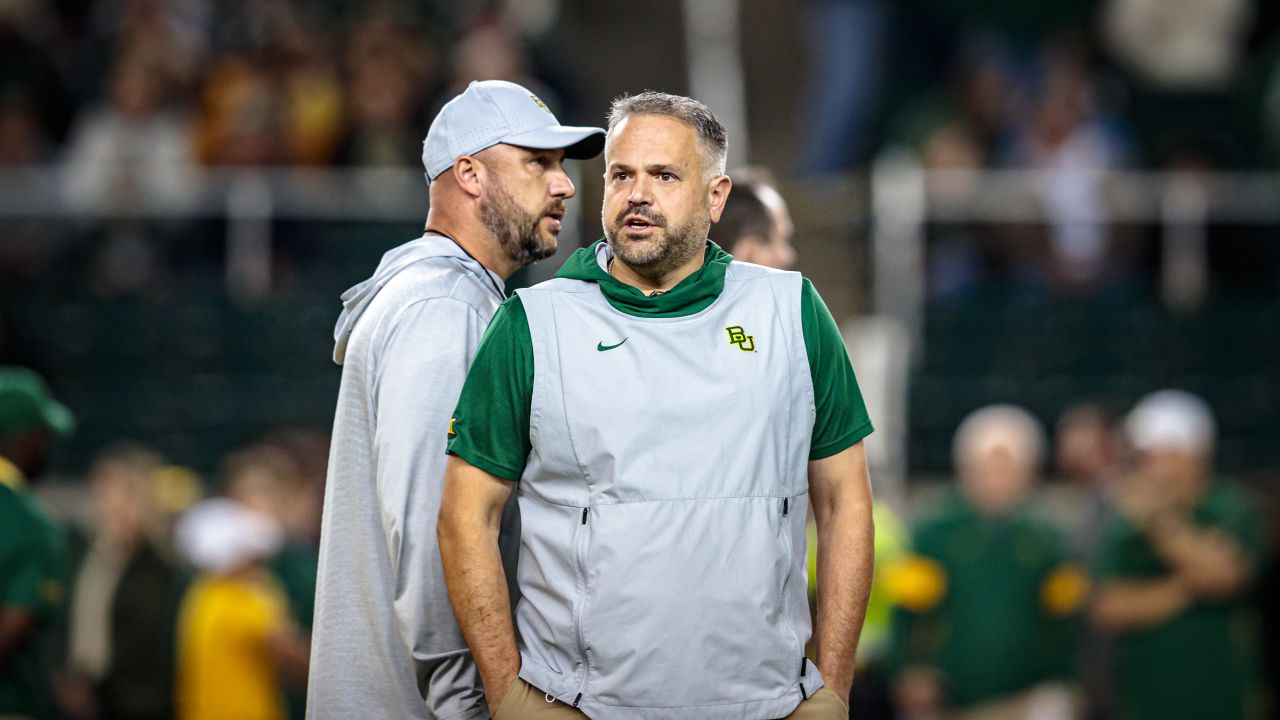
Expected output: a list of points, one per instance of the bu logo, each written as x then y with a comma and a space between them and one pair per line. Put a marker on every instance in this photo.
739, 337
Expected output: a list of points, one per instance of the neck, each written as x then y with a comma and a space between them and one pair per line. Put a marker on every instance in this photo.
649, 283
475, 238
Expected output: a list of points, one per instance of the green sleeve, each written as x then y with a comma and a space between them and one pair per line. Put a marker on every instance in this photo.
34, 581
842, 418
490, 427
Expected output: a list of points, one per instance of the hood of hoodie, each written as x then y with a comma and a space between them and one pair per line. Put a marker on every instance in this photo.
691, 295
356, 300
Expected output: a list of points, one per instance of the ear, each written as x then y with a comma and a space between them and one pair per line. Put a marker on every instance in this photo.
469, 174
717, 194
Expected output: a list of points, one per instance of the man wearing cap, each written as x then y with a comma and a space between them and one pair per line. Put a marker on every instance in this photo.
1175, 570
664, 416
385, 643
33, 560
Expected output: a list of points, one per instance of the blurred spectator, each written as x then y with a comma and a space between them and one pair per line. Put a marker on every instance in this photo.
135, 150
986, 604
1088, 455
492, 50
846, 66
124, 598
278, 102
267, 479
33, 560
35, 106
1175, 569
389, 75
1178, 45
755, 226
235, 638
1183, 59
1066, 136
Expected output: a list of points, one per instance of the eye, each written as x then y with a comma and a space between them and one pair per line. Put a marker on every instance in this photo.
541, 160
666, 177
621, 175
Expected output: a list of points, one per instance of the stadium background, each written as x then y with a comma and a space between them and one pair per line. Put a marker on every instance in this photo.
1041, 203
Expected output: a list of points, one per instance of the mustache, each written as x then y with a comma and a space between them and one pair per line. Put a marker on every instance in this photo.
556, 205
642, 211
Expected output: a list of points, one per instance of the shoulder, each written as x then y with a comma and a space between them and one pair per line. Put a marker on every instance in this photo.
555, 286
739, 271
439, 278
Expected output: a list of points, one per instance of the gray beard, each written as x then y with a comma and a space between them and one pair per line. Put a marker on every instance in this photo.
516, 230
682, 243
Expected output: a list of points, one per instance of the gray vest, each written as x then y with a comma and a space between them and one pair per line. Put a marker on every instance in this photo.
662, 559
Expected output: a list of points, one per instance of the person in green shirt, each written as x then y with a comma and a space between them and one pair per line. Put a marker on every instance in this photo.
986, 604
33, 561
1174, 572
663, 415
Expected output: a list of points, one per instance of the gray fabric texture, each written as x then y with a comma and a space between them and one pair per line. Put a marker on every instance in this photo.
385, 642
662, 566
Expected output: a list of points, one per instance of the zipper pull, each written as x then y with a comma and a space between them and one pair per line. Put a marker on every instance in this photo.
584, 516
786, 503
575, 700
803, 661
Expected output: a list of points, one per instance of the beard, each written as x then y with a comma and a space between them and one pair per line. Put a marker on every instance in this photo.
667, 249
519, 232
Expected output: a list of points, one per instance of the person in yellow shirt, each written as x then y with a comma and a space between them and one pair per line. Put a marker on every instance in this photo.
235, 638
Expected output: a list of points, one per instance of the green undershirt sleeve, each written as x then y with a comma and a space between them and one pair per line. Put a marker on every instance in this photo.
842, 418
490, 427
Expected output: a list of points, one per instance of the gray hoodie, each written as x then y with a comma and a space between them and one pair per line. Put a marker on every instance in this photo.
385, 642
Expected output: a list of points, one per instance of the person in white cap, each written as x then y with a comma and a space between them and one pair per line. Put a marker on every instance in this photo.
1175, 569
385, 643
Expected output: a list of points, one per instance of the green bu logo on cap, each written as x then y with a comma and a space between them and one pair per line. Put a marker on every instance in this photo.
538, 101
739, 337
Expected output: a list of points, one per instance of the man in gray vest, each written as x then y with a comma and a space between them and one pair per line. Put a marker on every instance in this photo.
665, 415
385, 643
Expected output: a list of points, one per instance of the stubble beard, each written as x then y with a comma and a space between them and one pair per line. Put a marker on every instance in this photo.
671, 247
519, 233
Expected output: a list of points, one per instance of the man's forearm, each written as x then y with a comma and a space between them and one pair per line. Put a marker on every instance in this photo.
845, 564
478, 591
1125, 605
1210, 561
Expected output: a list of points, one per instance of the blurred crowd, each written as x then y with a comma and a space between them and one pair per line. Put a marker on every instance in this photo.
154, 593
1145, 589
1071, 88
166, 84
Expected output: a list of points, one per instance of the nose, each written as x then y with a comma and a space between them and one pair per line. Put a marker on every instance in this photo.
561, 186
640, 192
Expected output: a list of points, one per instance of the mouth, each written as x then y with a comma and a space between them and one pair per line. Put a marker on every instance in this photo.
635, 223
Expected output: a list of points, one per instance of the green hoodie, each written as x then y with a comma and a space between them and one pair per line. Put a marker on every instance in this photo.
490, 427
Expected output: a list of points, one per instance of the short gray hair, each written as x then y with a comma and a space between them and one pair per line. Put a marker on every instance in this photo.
999, 425
711, 133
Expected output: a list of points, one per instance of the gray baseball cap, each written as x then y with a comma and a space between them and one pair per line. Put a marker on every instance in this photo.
489, 112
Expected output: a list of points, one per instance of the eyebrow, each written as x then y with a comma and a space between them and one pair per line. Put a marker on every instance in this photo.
651, 169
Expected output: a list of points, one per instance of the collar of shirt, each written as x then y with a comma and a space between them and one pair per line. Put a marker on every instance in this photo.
691, 295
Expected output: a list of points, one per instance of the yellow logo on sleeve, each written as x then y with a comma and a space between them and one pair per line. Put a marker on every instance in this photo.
452, 432
739, 337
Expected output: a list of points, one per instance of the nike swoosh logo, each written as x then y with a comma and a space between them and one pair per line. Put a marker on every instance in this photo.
602, 347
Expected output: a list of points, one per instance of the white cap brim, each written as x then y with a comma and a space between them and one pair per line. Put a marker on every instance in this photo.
579, 143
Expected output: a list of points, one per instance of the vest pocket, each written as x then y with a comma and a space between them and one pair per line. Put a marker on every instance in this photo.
685, 603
